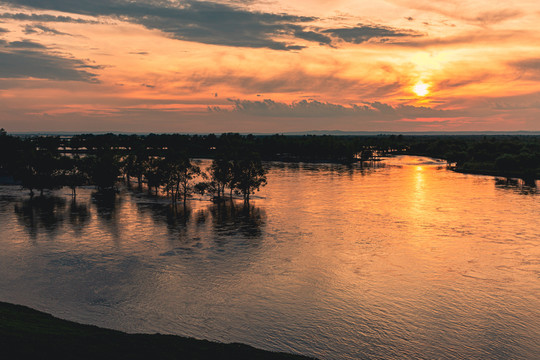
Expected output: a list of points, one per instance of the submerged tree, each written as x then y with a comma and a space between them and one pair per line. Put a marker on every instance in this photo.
154, 174
40, 171
72, 173
104, 170
179, 175
221, 173
248, 176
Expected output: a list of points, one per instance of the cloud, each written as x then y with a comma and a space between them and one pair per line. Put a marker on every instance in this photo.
39, 28
45, 18
363, 33
478, 37
312, 36
527, 67
495, 17
527, 64
313, 108
2, 30
293, 80
468, 10
219, 24
27, 59
25, 44
205, 22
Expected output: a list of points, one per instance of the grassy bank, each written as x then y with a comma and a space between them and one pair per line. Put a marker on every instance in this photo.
27, 333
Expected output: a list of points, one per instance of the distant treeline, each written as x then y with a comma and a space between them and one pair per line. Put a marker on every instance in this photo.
163, 162
500, 155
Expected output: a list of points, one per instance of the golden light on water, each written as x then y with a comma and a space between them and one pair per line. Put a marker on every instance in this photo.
421, 88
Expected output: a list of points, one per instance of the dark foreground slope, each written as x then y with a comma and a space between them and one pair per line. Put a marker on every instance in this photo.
27, 333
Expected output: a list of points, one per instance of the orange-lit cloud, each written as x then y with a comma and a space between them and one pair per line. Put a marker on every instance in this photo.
252, 66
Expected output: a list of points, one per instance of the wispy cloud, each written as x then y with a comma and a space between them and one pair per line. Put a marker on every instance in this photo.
469, 12
45, 18
42, 29
527, 68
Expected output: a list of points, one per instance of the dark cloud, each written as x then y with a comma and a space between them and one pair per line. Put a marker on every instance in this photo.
314, 108
219, 24
363, 33
42, 29
25, 44
312, 36
2, 30
45, 18
27, 59
204, 22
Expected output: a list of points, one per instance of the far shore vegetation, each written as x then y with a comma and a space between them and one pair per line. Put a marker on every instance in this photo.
29, 334
163, 164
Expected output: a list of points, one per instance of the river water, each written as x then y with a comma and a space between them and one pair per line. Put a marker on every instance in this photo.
405, 260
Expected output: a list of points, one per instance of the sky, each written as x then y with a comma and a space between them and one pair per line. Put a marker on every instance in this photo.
269, 66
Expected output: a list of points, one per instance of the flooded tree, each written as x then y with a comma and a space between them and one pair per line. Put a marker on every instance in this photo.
154, 174
221, 173
104, 170
179, 175
249, 176
72, 173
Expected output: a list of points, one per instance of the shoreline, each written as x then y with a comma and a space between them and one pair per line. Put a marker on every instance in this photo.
29, 333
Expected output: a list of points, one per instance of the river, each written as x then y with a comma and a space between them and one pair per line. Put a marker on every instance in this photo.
404, 260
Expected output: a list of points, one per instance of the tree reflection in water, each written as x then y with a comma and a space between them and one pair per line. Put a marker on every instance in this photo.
226, 218
517, 185
230, 219
47, 214
107, 205
79, 215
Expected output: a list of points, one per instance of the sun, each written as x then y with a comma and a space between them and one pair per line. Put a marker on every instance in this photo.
421, 88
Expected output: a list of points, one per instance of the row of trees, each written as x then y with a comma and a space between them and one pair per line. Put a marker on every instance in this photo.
171, 172
157, 159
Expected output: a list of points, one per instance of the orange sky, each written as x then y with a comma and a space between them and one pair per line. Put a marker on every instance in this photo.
269, 66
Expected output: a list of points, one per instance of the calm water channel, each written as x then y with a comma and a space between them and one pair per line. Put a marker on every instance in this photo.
408, 260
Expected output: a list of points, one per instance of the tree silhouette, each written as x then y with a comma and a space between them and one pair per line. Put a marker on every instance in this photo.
248, 176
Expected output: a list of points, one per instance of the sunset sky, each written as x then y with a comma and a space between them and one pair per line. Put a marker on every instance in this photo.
269, 66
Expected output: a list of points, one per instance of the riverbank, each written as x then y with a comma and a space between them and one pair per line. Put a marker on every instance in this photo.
28, 333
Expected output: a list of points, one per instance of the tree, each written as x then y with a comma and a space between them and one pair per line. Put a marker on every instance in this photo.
104, 170
154, 174
179, 173
248, 176
221, 173
73, 173
39, 170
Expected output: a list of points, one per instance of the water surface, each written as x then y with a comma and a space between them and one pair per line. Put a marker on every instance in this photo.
406, 260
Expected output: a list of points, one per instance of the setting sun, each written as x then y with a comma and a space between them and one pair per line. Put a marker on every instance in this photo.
421, 88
